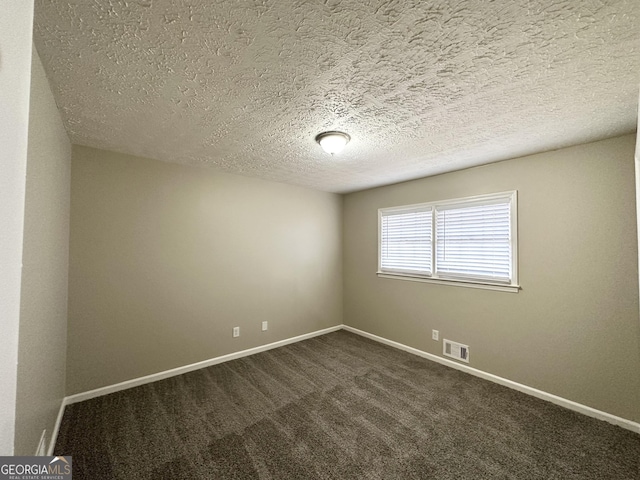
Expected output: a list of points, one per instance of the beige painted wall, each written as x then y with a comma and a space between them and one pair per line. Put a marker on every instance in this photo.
573, 329
43, 305
166, 259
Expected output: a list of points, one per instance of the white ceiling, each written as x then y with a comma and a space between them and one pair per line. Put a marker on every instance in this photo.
422, 87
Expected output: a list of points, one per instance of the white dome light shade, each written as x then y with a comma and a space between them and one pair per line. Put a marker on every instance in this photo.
333, 142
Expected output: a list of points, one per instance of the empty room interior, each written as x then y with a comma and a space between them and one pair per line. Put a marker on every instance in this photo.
256, 239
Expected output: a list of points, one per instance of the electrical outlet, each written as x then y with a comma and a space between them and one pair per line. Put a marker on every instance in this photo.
236, 331
265, 326
435, 335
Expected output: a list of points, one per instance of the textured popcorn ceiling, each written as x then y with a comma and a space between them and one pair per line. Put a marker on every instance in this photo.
422, 87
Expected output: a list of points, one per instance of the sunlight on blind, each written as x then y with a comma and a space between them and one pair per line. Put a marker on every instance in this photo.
406, 242
474, 241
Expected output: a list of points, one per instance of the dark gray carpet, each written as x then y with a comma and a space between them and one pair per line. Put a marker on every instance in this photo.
337, 406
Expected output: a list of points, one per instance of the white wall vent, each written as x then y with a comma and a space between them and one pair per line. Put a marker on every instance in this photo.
455, 350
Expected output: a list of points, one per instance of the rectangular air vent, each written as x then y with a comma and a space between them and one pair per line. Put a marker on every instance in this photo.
455, 350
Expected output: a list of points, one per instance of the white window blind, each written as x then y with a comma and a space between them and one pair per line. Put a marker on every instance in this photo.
474, 241
406, 241
467, 241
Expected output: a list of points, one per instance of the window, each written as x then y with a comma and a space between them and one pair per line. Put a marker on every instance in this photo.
405, 241
467, 241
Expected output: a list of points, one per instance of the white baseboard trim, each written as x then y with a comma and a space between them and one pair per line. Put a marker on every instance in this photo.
56, 428
563, 402
41, 450
98, 392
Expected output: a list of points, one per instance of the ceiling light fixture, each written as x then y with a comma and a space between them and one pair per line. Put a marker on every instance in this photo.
332, 142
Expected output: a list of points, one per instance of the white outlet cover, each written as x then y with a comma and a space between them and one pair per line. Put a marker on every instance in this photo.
435, 334
265, 326
236, 331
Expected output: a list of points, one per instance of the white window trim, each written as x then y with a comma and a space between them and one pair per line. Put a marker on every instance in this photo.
513, 286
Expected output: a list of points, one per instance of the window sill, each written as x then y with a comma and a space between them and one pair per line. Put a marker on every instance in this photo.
457, 283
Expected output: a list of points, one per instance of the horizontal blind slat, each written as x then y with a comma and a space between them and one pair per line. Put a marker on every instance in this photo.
474, 241
406, 239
